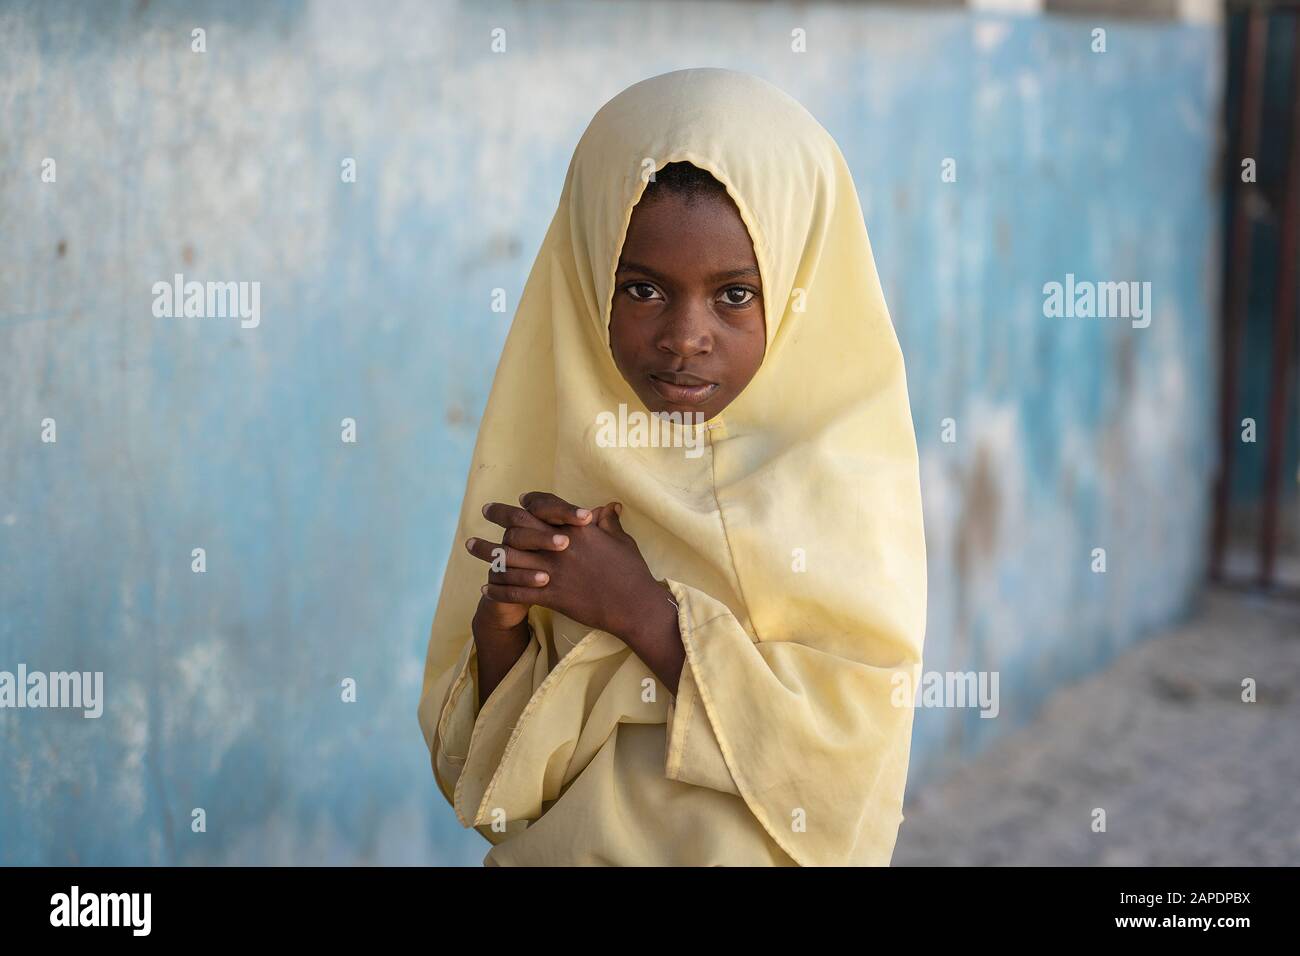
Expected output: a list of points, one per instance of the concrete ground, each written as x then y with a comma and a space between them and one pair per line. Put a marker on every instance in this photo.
1187, 773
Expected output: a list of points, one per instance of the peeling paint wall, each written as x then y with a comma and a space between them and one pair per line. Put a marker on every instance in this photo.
324, 558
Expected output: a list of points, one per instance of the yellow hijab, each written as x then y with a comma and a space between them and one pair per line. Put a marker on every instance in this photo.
793, 544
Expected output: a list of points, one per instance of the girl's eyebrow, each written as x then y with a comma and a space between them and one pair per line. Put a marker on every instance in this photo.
743, 272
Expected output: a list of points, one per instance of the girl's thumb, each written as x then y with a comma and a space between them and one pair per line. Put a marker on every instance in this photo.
609, 516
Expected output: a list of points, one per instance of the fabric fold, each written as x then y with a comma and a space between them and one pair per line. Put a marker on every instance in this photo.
539, 728
571, 713
748, 707
470, 740
693, 753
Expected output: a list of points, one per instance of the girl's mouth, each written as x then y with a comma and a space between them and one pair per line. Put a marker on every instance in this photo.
691, 394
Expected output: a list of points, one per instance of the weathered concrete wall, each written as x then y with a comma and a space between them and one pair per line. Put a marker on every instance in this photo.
324, 558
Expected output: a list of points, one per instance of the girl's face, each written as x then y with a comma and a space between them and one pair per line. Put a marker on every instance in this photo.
686, 324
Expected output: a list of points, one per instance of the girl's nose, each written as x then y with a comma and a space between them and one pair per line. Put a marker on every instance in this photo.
686, 329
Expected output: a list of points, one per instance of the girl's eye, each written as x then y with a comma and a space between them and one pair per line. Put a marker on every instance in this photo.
745, 295
641, 291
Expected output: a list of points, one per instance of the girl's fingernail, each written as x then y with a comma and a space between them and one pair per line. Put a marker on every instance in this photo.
470, 542
560, 540
583, 512
540, 577
618, 508
485, 508
483, 589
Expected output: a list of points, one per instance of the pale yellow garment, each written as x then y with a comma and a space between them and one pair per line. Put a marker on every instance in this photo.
793, 544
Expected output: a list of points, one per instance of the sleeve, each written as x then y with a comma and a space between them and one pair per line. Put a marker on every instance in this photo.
501, 766
816, 743
693, 753
468, 741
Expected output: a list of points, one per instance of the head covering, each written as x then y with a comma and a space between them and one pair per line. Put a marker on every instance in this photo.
798, 529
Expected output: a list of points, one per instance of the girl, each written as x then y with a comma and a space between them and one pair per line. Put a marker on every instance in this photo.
697, 650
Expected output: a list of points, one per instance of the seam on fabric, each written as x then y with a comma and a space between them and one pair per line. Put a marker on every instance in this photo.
670, 767
453, 698
442, 784
677, 754
440, 732
686, 734
726, 538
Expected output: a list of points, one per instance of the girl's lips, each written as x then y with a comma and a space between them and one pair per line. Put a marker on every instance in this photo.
682, 394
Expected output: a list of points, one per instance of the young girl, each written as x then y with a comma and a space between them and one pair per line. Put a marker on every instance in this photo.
695, 645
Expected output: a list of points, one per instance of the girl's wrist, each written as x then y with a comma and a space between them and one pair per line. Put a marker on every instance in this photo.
655, 635
485, 629
655, 612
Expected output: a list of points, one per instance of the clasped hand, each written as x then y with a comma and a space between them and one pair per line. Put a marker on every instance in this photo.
576, 561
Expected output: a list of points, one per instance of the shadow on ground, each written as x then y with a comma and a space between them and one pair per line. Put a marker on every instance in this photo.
1187, 772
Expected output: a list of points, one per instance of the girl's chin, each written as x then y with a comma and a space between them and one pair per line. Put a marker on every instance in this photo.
685, 414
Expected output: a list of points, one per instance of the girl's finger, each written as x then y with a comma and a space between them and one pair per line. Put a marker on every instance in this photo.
608, 518
553, 509
531, 539
490, 552
520, 578
508, 516
510, 594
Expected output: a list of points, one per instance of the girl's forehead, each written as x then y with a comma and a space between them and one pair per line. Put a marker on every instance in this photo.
677, 228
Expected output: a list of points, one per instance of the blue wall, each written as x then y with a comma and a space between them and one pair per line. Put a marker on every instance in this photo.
324, 558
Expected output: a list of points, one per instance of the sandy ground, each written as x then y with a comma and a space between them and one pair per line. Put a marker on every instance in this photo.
1187, 773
